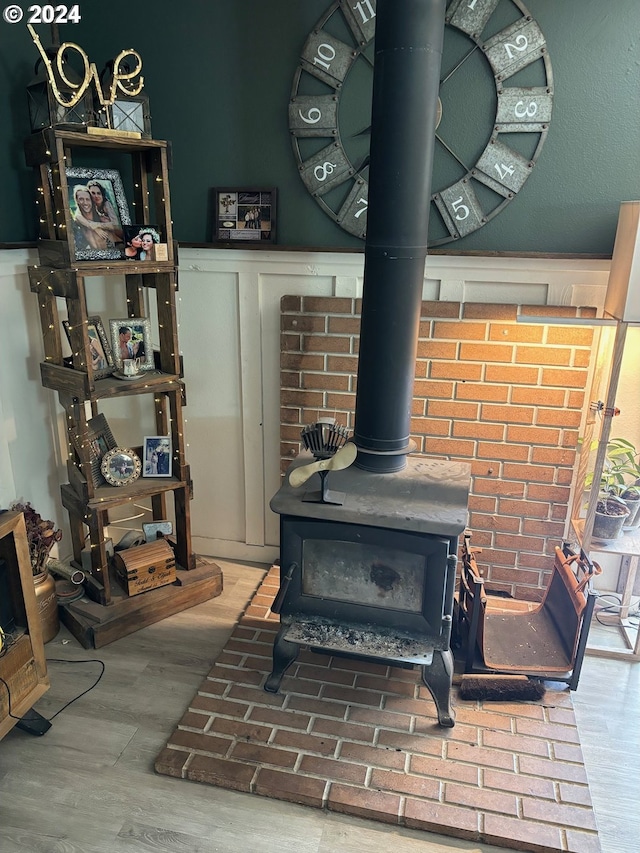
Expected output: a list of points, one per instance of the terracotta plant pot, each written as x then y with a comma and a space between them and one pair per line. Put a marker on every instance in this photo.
611, 515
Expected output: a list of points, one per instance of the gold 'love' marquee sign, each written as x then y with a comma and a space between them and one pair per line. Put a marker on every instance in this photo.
69, 88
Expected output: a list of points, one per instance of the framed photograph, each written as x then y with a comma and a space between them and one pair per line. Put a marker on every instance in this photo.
99, 347
156, 454
99, 210
101, 440
144, 243
244, 215
131, 339
120, 466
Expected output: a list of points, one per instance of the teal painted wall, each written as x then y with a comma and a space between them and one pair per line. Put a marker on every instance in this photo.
219, 77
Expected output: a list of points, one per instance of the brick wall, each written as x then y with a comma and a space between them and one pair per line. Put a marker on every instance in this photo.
505, 396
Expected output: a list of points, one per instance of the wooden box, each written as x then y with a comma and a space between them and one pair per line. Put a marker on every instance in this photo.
145, 567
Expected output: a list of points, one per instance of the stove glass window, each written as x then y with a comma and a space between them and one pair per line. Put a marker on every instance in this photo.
363, 573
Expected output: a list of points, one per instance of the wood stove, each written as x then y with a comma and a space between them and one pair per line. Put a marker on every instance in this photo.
374, 577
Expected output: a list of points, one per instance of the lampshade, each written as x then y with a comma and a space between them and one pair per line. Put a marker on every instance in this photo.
623, 291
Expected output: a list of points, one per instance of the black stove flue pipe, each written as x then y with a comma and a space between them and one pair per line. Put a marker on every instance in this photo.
408, 52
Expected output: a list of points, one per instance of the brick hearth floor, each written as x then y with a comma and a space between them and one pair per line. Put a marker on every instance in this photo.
362, 738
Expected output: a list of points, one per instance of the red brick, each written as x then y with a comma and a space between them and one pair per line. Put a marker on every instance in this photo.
277, 717
506, 488
291, 303
326, 343
575, 336
490, 432
327, 305
404, 783
261, 754
171, 762
440, 769
556, 494
373, 756
344, 325
350, 731
450, 447
386, 718
543, 355
516, 332
455, 370
323, 707
241, 729
533, 435
221, 772
514, 453
354, 696
529, 473
480, 799
528, 835
480, 756
575, 794
460, 331
564, 815
324, 381
436, 817
302, 323
291, 787
489, 311
539, 397
582, 842
516, 743
385, 684
506, 524
436, 349
482, 391
486, 353
330, 768
192, 720
507, 414
303, 742
504, 373
440, 309
517, 783
414, 743
424, 388
363, 802
564, 378
451, 409
429, 426
555, 311
559, 770
301, 361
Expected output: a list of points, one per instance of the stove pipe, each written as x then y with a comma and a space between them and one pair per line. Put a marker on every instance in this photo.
408, 52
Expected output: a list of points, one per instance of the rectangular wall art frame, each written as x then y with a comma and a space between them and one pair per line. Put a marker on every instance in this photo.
244, 216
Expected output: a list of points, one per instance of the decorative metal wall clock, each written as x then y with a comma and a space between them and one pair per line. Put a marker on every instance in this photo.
496, 96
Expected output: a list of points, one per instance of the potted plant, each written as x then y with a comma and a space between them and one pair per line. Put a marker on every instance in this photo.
623, 461
618, 503
41, 537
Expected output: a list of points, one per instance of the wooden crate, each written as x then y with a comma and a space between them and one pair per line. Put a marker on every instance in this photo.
145, 567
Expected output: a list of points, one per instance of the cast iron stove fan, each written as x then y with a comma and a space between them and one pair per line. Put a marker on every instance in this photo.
328, 441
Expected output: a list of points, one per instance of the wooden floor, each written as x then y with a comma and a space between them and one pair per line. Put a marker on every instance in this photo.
88, 785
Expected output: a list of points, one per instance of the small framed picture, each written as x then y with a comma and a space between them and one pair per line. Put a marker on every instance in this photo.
157, 456
99, 210
131, 341
143, 243
120, 466
244, 215
99, 348
100, 440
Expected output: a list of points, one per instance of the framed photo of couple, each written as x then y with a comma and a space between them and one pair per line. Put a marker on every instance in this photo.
99, 211
131, 339
244, 215
99, 349
156, 454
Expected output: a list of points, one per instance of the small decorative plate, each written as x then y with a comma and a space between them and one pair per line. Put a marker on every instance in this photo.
120, 466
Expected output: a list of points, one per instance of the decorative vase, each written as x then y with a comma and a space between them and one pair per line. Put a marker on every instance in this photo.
47, 601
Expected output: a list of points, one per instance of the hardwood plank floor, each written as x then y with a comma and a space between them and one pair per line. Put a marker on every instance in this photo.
88, 785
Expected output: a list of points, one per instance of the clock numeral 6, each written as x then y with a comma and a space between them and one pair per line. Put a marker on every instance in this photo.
312, 117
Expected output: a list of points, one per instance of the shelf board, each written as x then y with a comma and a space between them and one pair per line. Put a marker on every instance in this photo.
96, 625
57, 377
626, 545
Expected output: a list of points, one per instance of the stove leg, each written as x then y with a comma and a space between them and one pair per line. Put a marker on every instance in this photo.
438, 678
284, 654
